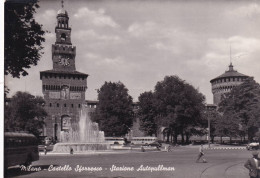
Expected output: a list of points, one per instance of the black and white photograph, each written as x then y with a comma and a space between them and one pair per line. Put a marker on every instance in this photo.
131, 88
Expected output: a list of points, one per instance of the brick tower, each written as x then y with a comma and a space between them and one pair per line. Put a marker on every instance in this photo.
63, 87
225, 82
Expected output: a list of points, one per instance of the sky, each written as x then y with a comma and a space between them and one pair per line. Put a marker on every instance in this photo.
139, 42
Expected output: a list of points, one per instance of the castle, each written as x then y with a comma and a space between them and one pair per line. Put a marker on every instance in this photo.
63, 87
225, 82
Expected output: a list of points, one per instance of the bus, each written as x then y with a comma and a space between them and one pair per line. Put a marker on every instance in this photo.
115, 140
20, 149
143, 140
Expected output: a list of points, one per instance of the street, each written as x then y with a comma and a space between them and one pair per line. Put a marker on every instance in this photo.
180, 163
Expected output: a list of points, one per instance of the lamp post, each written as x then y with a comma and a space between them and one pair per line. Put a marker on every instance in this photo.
209, 131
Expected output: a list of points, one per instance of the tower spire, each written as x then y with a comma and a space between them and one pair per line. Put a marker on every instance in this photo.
62, 3
230, 54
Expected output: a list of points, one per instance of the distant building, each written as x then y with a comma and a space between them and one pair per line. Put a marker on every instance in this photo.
63, 87
225, 82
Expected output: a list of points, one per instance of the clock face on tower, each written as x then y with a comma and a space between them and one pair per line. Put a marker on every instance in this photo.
64, 60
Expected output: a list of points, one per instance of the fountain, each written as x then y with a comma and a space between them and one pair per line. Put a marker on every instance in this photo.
84, 137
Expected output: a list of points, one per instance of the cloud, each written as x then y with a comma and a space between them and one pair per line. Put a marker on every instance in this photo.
91, 34
91, 56
250, 11
239, 45
112, 62
50, 36
140, 29
218, 51
47, 15
98, 18
167, 38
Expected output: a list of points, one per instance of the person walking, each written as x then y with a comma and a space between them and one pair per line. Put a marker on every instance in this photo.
169, 149
201, 153
252, 165
45, 150
71, 151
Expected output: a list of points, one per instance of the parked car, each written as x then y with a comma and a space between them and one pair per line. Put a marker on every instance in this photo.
157, 144
252, 146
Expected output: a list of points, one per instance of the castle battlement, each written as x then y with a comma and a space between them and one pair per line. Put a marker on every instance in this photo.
64, 49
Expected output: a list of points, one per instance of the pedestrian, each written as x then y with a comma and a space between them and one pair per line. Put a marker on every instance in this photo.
71, 151
45, 149
142, 148
201, 154
252, 165
169, 149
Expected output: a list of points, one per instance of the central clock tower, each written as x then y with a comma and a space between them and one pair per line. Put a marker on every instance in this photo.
63, 87
63, 53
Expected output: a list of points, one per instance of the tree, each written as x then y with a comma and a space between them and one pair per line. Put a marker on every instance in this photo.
241, 106
214, 117
177, 105
227, 126
25, 112
114, 112
147, 113
23, 37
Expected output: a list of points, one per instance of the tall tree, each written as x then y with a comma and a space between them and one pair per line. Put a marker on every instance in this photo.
178, 106
242, 107
114, 112
23, 37
147, 113
25, 112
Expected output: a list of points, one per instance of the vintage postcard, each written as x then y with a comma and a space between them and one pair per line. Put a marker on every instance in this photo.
131, 88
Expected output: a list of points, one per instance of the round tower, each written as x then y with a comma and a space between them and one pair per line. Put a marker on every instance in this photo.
225, 82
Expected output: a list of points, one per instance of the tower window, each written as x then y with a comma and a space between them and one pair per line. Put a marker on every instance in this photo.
72, 105
50, 105
65, 105
58, 105
63, 37
79, 105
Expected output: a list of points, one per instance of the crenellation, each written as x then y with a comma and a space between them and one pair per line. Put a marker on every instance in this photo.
58, 49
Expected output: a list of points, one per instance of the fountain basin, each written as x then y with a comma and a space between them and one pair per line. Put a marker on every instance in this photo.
80, 147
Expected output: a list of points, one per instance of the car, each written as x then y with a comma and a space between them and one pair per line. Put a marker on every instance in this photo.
157, 144
252, 146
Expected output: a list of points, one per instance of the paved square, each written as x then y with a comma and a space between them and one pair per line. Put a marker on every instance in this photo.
221, 163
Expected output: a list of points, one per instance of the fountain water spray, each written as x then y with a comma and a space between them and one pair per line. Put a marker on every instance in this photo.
84, 137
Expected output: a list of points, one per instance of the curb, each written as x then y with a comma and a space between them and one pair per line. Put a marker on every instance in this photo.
226, 148
95, 153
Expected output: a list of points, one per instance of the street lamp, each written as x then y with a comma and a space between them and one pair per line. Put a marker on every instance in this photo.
209, 131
